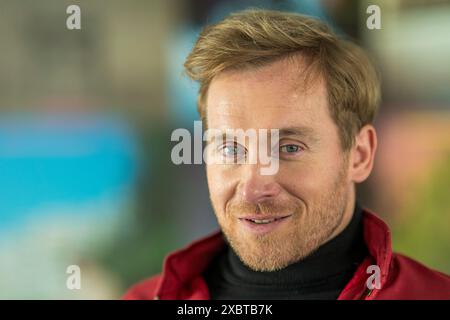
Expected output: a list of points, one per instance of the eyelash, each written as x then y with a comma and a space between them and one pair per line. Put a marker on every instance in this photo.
236, 146
229, 145
299, 148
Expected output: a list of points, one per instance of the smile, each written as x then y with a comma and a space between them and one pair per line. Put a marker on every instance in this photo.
262, 225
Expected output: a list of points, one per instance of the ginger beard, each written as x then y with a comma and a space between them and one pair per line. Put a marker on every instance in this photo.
306, 230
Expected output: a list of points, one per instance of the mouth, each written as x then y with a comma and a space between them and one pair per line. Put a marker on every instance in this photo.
263, 224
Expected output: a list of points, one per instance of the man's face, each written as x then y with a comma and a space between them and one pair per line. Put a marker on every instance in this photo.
310, 195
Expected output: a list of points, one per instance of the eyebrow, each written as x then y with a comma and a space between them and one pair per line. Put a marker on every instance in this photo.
301, 132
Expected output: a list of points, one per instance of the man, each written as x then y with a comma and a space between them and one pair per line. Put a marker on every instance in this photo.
298, 233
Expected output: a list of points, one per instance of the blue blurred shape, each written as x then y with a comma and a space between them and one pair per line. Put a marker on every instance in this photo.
64, 159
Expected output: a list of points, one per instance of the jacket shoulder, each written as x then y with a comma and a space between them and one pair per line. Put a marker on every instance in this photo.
409, 279
143, 290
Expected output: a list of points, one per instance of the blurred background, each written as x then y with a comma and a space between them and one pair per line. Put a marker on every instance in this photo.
86, 117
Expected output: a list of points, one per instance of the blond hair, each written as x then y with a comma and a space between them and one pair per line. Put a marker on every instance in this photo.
254, 38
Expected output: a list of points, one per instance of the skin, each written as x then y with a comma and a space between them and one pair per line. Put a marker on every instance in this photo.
315, 182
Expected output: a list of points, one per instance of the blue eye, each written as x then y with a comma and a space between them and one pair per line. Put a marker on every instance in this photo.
232, 150
229, 151
290, 148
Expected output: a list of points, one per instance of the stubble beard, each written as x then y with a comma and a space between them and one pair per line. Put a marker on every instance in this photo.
309, 227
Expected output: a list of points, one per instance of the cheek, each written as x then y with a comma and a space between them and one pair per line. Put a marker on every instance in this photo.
222, 184
297, 179
309, 179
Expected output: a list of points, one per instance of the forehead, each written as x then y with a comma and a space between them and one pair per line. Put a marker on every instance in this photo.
281, 94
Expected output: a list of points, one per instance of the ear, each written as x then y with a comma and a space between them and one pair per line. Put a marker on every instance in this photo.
363, 154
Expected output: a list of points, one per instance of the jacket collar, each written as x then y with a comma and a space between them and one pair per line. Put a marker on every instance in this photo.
182, 269
377, 237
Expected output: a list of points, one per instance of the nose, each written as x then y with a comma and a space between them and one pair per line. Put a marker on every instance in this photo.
256, 188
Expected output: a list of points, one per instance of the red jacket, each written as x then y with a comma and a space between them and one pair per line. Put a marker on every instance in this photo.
401, 277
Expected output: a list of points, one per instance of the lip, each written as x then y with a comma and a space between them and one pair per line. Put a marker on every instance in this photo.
263, 228
264, 217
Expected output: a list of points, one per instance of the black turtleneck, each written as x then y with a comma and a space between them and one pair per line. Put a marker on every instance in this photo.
321, 275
